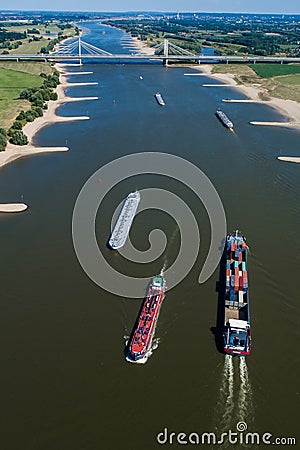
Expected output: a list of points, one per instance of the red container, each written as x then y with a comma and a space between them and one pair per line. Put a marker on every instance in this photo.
241, 282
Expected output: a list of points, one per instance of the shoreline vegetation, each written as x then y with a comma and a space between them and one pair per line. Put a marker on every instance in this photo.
50, 116
255, 92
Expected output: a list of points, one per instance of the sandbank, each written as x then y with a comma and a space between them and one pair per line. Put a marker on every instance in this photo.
12, 207
293, 159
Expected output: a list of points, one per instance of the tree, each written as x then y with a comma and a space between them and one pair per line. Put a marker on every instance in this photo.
3, 142
26, 94
17, 125
53, 96
18, 138
39, 110
21, 116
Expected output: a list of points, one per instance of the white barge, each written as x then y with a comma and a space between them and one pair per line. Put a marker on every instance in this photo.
159, 99
122, 227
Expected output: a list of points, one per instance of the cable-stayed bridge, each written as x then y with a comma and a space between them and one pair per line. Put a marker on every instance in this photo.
166, 51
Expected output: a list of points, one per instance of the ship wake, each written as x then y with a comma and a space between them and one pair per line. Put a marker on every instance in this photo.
235, 400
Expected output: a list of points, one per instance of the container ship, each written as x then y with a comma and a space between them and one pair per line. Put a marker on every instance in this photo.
236, 333
159, 99
139, 346
122, 227
224, 119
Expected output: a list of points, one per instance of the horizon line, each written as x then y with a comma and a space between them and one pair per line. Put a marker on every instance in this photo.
153, 12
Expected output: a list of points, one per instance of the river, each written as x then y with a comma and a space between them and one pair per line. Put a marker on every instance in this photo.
65, 382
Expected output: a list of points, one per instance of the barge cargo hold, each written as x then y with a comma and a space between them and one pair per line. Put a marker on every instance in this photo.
122, 227
139, 346
236, 332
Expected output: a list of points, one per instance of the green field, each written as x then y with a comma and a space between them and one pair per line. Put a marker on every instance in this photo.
274, 70
286, 87
290, 79
30, 47
42, 28
11, 84
31, 67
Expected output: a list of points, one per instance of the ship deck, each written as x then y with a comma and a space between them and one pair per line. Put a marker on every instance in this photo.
122, 227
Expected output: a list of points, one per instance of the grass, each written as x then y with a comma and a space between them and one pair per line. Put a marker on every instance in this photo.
11, 84
17, 76
274, 70
285, 87
290, 79
42, 29
35, 46
30, 47
31, 67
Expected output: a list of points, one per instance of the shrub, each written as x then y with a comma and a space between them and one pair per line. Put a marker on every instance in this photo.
3, 132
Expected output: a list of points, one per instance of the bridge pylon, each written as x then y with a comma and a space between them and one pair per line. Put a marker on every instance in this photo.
79, 51
166, 52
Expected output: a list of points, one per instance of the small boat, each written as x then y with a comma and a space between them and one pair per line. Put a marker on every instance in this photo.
224, 119
159, 99
124, 222
139, 346
141, 77
236, 333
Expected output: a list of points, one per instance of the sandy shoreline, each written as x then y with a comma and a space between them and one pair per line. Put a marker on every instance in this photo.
50, 116
289, 108
143, 48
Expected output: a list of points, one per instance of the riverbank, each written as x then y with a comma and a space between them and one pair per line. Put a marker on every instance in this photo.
142, 47
289, 108
50, 116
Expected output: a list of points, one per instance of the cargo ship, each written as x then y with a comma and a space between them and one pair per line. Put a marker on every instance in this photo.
122, 227
139, 346
236, 332
159, 99
224, 119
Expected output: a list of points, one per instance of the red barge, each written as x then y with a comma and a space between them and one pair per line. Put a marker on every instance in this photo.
139, 346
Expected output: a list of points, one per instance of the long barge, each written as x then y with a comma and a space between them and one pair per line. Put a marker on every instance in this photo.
122, 227
236, 332
159, 99
139, 348
224, 119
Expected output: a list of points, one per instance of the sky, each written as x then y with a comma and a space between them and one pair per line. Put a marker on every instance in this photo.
250, 6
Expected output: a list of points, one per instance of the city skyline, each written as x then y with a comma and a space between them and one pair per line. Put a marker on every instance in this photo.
234, 6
